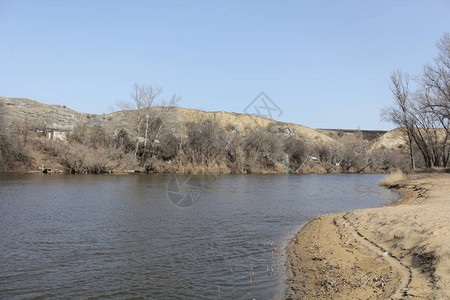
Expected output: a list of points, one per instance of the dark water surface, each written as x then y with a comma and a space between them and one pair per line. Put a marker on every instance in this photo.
109, 236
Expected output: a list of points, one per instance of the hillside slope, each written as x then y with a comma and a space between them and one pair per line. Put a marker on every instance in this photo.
350, 135
392, 140
35, 114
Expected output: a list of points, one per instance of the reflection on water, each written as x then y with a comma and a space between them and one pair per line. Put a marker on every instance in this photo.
120, 236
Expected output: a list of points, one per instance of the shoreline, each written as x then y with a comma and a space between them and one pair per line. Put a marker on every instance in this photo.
131, 172
184, 172
398, 251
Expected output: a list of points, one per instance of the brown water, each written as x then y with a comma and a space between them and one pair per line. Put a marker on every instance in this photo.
122, 236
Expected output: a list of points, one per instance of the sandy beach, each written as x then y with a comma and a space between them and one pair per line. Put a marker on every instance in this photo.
400, 251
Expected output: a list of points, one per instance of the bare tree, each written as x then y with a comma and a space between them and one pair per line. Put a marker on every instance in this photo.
150, 95
424, 114
434, 101
436, 84
399, 113
148, 120
136, 107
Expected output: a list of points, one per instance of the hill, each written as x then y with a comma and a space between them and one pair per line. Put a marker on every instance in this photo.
59, 117
177, 140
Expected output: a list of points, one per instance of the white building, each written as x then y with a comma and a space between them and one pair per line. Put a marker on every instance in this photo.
57, 134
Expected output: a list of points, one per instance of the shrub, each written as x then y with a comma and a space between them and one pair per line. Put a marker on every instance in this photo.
205, 141
13, 154
393, 179
79, 158
263, 148
89, 134
297, 152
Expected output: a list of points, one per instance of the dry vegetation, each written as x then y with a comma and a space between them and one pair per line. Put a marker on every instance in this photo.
177, 146
393, 179
174, 140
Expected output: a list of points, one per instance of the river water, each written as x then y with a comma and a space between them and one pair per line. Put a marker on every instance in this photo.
223, 237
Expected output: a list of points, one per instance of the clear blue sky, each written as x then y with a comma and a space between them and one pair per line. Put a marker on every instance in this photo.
326, 64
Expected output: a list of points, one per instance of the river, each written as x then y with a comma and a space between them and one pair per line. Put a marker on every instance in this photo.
162, 236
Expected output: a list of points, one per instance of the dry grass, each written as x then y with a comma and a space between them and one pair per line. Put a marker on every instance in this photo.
393, 179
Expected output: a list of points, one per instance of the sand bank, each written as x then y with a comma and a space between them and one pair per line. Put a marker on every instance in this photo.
400, 251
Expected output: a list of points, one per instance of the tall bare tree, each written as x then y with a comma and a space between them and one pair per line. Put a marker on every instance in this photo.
399, 113
145, 115
435, 101
136, 107
436, 83
424, 114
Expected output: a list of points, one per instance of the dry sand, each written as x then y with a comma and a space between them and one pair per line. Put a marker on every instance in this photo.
401, 251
